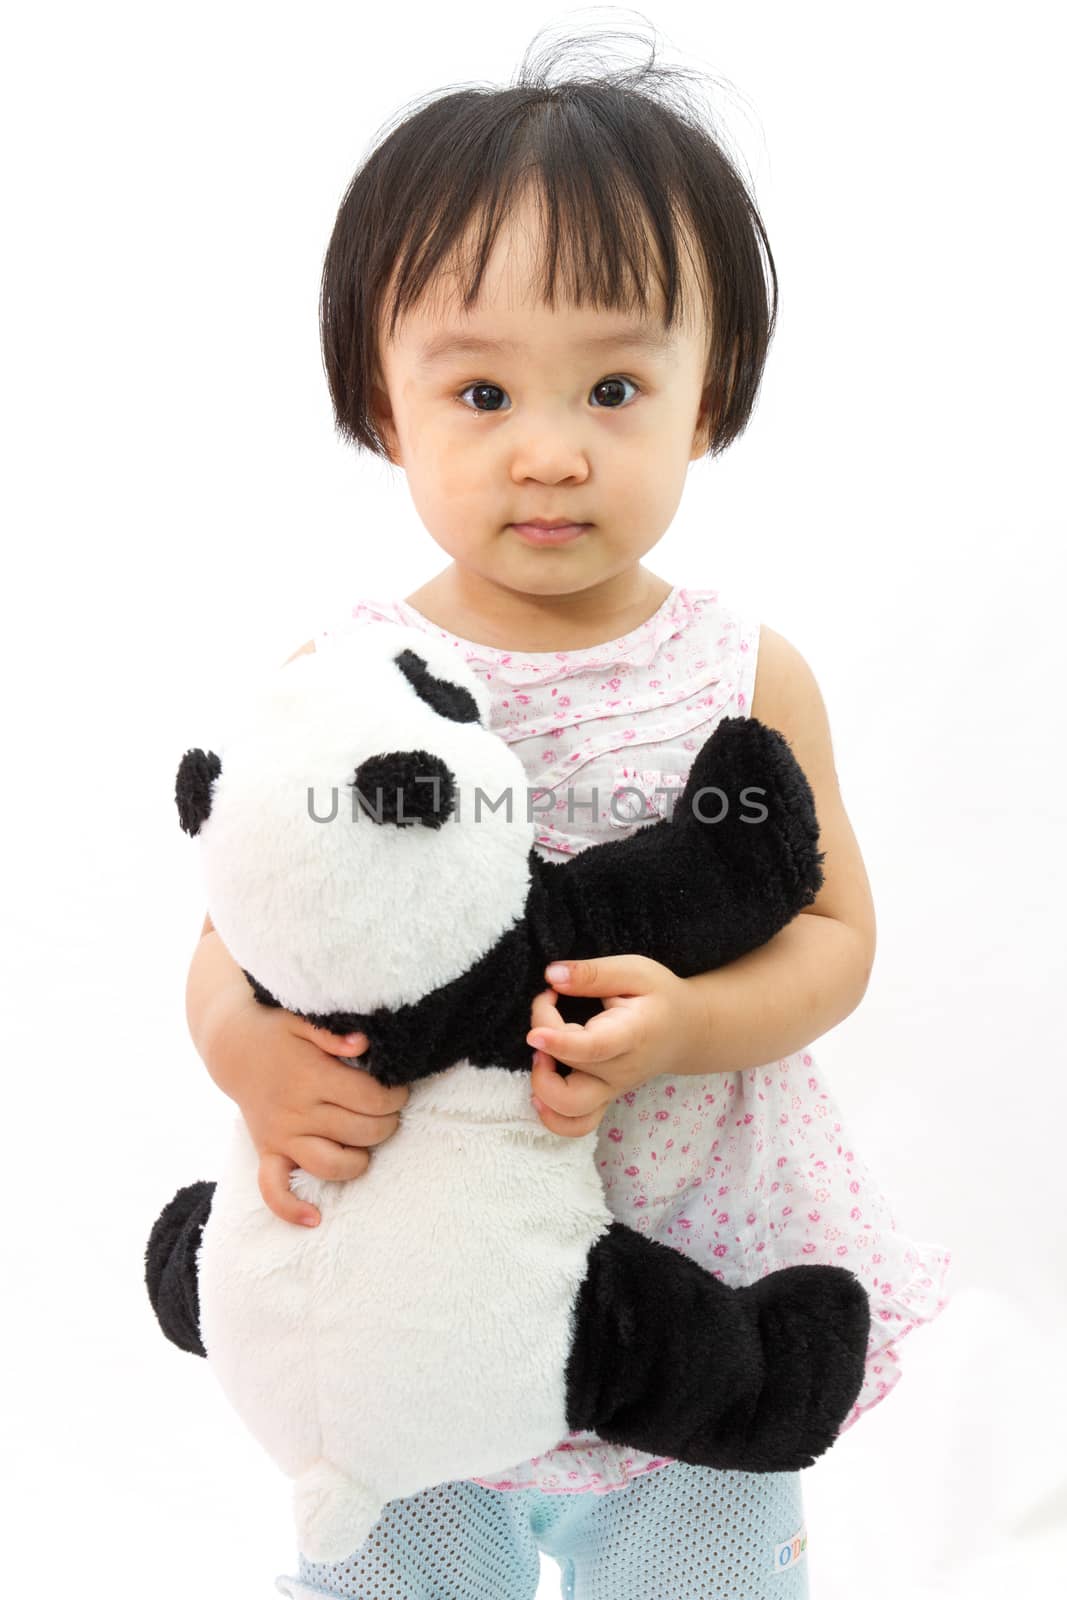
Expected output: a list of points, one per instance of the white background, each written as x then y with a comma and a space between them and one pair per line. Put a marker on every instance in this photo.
178, 513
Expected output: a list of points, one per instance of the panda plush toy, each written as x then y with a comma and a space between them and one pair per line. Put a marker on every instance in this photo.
470, 1299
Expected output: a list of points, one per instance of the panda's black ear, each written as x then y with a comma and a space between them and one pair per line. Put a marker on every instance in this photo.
449, 700
197, 771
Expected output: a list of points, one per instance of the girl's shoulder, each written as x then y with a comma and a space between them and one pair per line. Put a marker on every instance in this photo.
355, 615
785, 690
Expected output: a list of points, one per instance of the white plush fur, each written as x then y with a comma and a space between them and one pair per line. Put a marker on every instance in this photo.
351, 884
421, 1332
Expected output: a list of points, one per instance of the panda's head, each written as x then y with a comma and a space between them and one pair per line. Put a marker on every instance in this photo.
365, 836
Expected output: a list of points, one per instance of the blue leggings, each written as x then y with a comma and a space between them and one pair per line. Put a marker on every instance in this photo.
677, 1533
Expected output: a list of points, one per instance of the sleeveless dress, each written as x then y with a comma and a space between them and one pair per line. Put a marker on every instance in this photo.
744, 1171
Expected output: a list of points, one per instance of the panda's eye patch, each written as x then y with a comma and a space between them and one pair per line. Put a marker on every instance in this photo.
447, 699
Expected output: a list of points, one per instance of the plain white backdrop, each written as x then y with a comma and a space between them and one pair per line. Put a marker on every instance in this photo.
178, 514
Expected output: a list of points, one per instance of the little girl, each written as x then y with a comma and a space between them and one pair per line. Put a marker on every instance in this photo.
542, 303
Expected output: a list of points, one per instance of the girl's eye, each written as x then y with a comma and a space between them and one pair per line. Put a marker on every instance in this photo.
613, 386
489, 392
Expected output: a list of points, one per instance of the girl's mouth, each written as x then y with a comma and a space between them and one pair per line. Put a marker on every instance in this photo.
532, 534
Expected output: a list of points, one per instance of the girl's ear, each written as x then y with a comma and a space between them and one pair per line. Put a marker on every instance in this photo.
384, 422
713, 403
704, 426
711, 407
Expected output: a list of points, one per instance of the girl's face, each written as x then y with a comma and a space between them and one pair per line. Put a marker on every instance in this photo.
570, 417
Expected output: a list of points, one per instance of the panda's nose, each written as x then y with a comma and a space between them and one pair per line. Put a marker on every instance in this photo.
405, 787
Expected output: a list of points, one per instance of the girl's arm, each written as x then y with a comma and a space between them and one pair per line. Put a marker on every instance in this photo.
815, 972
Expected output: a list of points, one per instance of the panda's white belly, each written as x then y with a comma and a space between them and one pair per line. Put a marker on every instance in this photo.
421, 1331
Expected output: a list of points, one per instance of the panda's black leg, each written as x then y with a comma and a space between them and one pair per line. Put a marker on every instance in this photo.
670, 1360
170, 1265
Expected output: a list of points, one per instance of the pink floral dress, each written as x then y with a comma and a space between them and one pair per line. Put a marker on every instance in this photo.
744, 1171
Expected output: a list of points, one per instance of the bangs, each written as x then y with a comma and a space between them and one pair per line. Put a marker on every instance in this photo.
603, 243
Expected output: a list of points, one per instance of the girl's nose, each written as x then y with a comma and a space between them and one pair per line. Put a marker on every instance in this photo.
405, 787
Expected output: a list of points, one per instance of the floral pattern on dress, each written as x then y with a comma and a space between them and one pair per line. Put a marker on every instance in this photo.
744, 1171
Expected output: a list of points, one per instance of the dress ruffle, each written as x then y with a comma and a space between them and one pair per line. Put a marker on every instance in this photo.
820, 1203
896, 1313
635, 649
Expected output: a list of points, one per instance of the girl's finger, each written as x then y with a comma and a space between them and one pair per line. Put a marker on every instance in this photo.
335, 1044
571, 1095
543, 1012
602, 1038
344, 1126
273, 1176
564, 1040
333, 1162
346, 1084
569, 1127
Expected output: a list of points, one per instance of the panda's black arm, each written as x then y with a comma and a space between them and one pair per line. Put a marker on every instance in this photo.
170, 1265
691, 893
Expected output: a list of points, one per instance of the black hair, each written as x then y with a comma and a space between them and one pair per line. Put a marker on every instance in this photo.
619, 158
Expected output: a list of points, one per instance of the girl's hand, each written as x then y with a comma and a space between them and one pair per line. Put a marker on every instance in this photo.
303, 1105
653, 1023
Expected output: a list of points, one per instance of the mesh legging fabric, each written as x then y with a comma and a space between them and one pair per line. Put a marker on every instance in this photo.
678, 1533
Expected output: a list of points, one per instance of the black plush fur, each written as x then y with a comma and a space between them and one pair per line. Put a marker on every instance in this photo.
449, 700
170, 1265
651, 1322
645, 894
406, 787
192, 790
